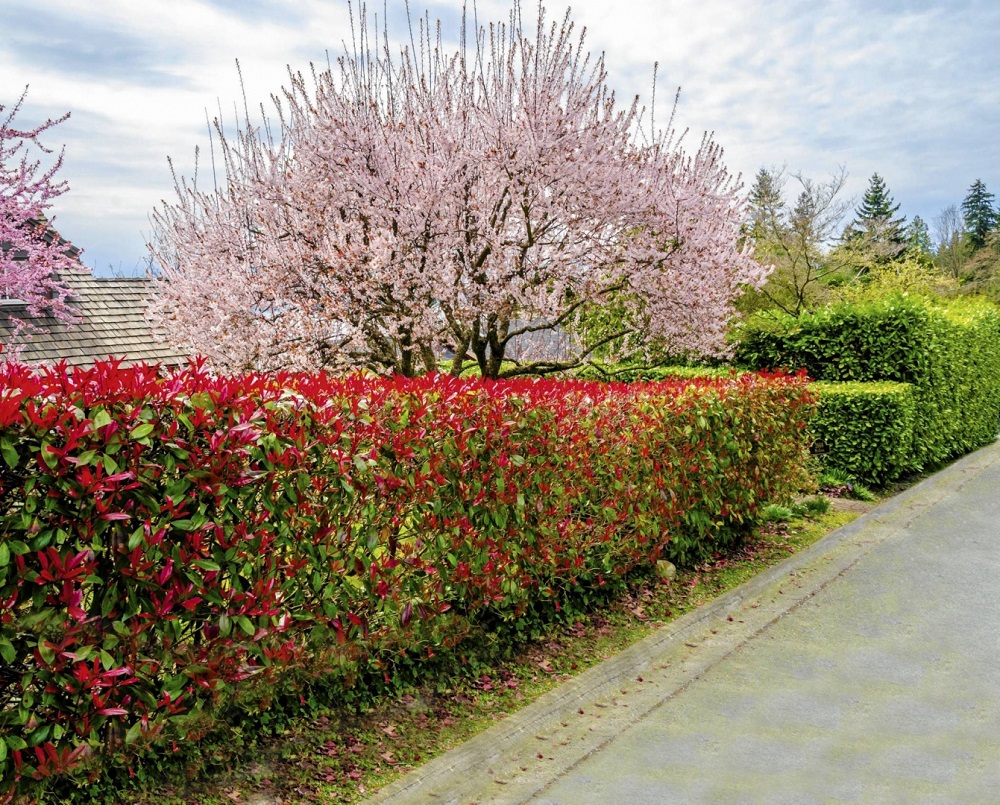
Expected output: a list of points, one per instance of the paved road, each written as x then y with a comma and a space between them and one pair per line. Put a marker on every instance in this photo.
866, 670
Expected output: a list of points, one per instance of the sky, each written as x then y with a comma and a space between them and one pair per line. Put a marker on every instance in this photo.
909, 89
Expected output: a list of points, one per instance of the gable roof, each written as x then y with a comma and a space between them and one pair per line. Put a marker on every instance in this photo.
112, 323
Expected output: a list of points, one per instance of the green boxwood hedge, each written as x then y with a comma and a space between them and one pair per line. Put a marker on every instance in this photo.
865, 429
949, 351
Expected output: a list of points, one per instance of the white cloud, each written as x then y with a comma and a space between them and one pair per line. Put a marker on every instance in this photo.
908, 89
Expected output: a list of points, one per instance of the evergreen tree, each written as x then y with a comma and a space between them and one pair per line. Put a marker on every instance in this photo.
980, 214
918, 239
875, 225
766, 204
918, 235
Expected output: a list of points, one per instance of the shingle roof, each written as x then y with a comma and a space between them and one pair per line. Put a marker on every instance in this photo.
113, 324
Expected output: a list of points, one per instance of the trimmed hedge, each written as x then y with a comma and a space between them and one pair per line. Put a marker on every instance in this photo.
625, 373
949, 352
865, 429
178, 552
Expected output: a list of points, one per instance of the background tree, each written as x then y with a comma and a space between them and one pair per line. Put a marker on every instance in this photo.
980, 214
31, 253
426, 199
983, 269
918, 241
876, 229
766, 205
951, 254
797, 241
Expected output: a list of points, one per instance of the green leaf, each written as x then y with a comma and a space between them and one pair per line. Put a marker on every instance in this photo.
136, 539
7, 651
4, 554
40, 735
133, 733
85, 458
141, 431
108, 604
50, 458
9, 453
46, 652
85, 653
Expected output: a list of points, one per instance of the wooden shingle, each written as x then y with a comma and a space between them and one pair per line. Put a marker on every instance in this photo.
112, 313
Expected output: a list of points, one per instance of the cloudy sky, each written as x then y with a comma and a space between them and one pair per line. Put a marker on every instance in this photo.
907, 88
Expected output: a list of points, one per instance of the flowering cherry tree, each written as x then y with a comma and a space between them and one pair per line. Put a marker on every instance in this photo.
31, 253
463, 199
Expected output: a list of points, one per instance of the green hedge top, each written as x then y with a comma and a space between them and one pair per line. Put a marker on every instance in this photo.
885, 388
624, 373
949, 351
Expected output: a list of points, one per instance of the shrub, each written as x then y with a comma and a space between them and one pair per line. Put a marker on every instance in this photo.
838, 483
865, 429
776, 513
629, 373
178, 550
949, 352
812, 507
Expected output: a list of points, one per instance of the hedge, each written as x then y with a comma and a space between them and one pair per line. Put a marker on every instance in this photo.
179, 551
949, 352
630, 373
865, 429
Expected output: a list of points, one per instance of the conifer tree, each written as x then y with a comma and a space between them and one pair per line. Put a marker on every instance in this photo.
980, 214
918, 239
876, 225
765, 203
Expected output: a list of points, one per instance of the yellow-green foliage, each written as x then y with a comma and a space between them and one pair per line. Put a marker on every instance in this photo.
948, 350
628, 373
909, 275
865, 429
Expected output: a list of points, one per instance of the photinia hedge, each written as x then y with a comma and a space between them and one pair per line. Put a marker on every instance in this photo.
176, 549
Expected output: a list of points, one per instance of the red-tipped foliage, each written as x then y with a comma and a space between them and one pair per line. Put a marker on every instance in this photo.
170, 546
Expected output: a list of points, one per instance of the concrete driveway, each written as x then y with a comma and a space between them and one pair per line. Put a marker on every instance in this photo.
865, 669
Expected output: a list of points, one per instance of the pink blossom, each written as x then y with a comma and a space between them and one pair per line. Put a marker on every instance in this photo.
31, 254
407, 202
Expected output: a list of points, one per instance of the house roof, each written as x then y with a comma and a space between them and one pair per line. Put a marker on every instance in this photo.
112, 313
